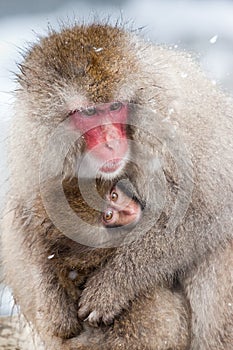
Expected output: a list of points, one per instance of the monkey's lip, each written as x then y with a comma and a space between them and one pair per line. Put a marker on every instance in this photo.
111, 166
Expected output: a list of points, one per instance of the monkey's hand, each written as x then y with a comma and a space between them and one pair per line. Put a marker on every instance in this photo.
102, 299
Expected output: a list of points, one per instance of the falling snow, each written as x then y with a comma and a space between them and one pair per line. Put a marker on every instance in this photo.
214, 39
184, 75
98, 49
51, 256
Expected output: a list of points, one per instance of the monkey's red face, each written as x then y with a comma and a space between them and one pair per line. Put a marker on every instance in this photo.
104, 129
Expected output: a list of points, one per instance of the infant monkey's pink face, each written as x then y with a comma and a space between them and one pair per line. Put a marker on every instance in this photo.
121, 209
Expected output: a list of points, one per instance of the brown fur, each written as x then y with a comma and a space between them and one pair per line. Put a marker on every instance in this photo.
163, 291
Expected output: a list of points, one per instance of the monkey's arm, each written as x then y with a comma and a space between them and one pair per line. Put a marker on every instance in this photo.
209, 289
211, 311
133, 271
33, 278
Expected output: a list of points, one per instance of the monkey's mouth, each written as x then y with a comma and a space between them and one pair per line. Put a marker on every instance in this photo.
111, 165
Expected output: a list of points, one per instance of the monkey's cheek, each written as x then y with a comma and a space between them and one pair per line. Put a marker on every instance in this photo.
135, 219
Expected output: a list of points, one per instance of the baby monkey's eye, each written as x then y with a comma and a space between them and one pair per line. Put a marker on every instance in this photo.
114, 196
116, 106
108, 215
89, 112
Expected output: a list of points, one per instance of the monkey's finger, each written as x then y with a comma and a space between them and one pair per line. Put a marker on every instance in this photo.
83, 312
93, 319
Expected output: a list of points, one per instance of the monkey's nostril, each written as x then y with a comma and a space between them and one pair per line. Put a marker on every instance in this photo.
109, 145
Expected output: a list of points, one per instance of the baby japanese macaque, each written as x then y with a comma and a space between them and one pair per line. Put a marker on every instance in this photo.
122, 209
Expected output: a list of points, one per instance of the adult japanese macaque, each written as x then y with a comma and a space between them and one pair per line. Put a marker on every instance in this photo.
96, 107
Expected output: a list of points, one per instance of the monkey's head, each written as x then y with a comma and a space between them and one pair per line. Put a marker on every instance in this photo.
84, 77
79, 89
122, 209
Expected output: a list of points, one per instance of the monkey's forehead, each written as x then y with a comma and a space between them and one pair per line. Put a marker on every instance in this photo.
96, 58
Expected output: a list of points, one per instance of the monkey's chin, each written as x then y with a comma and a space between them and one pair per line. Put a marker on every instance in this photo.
90, 167
111, 169
111, 166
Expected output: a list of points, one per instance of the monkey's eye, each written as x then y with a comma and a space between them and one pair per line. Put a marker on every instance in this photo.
89, 112
108, 215
114, 196
116, 106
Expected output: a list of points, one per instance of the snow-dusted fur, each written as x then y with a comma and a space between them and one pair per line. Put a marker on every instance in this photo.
168, 291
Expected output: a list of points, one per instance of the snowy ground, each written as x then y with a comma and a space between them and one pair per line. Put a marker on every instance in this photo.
205, 27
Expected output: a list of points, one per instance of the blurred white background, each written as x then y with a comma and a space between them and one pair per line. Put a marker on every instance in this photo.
204, 27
